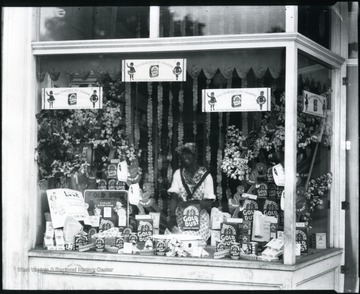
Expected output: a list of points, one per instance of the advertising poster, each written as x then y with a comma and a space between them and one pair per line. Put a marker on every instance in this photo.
314, 104
72, 98
152, 70
236, 100
66, 202
111, 205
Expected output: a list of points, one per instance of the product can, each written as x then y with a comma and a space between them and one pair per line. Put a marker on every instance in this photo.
253, 247
133, 238
235, 251
100, 244
160, 247
219, 246
119, 242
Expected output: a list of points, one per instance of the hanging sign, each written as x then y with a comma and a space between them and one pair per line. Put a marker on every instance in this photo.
314, 104
150, 70
72, 98
239, 100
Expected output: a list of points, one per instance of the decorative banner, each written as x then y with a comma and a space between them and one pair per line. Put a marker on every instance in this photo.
240, 100
314, 104
152, 70
72, 98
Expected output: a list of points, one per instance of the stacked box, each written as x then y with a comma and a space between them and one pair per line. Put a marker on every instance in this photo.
245, 234
302, 238
214, 236
144, 228
229, 233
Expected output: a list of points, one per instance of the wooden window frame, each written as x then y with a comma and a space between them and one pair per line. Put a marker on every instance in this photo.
290, 40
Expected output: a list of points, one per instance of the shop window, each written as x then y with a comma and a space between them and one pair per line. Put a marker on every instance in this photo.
314, 179
149, 120
88, 23
314, 23
178, 21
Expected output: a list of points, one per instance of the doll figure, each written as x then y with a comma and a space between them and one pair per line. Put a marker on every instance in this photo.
94, 98
177, 70
261, 99
51, 99
131, 70
212, 101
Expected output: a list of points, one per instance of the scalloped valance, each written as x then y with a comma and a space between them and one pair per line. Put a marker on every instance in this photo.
65, 68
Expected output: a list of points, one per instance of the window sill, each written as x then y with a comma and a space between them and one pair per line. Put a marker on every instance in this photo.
313, 257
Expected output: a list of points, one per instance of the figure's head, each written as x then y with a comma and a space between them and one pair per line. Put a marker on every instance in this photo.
262, 93
94, 91
188, 154
178, 63
51, 92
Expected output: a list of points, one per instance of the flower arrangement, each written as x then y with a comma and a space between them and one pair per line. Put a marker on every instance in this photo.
270, 138
315, 193
236, 155
64, 135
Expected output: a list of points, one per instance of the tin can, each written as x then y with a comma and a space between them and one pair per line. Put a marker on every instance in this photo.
160, 247
219, 246
235, 251
133, 238
253, 247
119, 242
100, 244
79, 240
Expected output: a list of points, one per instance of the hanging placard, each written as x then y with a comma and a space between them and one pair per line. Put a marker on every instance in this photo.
236, 100
314, 104
72, 98
154, 70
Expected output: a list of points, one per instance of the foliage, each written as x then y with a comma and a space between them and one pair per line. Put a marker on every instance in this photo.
269, 138
63, 135
315, 194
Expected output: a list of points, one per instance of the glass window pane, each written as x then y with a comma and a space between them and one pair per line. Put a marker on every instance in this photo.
180, 21
314, 23
87, 23
158, 117
353, 30
314, 141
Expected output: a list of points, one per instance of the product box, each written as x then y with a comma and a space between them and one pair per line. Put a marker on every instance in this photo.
111, 205
112, 171
214, 236
191, 217
280, 235
156, 219
59, 239
271, 208
229, 233
249, 208
320, 240
302, 238
144, 228
216, 218
273, 230
112, 184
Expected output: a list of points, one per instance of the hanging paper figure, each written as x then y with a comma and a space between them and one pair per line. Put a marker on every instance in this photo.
51, 99
306, 102
212, 101
131, 70
177, 70
315, 105
94, 98
261, 99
